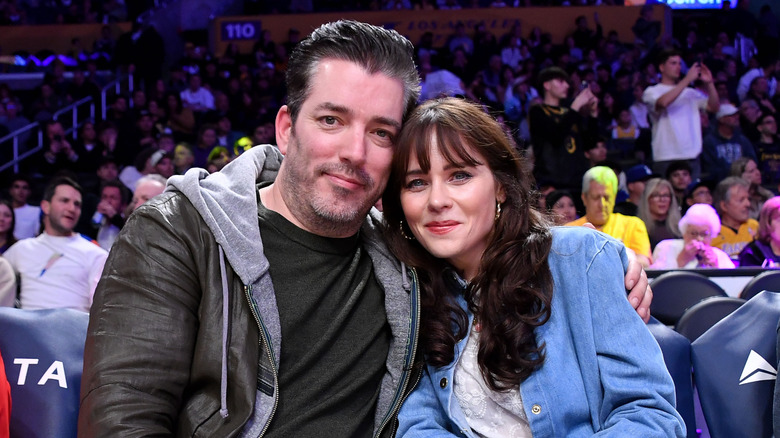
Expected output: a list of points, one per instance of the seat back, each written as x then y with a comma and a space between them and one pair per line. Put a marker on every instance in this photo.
734, 369
769, 280
677, 357
676, 291
43, 354
704, 314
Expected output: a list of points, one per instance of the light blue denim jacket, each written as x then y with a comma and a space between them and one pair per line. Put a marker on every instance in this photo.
603, 373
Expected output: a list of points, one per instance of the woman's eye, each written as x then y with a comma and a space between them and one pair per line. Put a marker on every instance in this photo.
461, 176
414, 184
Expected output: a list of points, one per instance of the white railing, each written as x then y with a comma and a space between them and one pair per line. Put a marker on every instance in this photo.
76, 121
14, 137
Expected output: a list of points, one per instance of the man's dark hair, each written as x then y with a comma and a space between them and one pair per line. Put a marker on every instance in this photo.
551, 73
19, 177
375, 49
123, 191
678, 165
59, 181
763, 116
665, 54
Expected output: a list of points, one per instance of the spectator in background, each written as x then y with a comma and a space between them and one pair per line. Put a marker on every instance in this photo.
747, 169
732, 201
461, 40
88, 148
694, 250
14, 120
679, 174
7, 299
147, 188
768, 149
162, 163
645, 29
749, 113
559, 134
596, 152
659, 210
698, 192
207, 140
130, 175
183, 158
27, 217
111, 219
636, 177
560, 207
764, 251
7, 224
59, 268
599, 189
724, 145
58, 154
195, 97
181, 119
674, 111
766, 69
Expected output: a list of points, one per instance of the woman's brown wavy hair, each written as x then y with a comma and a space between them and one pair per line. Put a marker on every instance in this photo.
512, 293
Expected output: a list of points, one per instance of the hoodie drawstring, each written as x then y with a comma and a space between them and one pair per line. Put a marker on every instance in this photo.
223, 410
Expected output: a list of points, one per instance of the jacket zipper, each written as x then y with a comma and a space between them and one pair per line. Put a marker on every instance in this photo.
264, 338
399, 396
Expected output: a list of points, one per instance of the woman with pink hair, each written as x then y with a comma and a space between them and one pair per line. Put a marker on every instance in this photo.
765, 250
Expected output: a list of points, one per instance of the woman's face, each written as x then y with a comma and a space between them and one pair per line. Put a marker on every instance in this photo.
451, 209
701, 233
6, 218
751, 173
659, 201
564, 210
209, 137
774, 227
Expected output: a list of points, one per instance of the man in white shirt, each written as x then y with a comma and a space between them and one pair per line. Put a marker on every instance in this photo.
674, 112
59, 268
28, 217
768, 64
196, 97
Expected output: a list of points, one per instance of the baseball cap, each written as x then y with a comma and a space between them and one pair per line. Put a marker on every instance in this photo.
726, 109
158, 155
640, 172
695, 185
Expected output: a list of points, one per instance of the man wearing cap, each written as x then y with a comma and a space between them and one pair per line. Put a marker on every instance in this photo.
698, 192
674, 112
162, 163
558, 133
599, 190
725, 144
636, 177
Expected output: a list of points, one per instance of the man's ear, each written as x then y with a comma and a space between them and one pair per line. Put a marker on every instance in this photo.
45, 207
283, 128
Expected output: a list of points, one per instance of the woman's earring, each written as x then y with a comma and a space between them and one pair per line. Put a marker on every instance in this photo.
498, 210
403, 233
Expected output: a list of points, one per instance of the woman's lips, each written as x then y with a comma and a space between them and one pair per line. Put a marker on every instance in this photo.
441, 227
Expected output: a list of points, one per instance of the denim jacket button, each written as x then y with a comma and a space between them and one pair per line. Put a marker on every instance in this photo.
443, 382
536, 409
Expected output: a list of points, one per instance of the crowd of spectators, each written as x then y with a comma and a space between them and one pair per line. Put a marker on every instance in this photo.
585, 96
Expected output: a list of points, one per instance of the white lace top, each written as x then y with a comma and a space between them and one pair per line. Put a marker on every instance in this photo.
489, 413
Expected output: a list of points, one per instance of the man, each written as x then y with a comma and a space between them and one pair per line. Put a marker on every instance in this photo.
725, 144
237, 267
679, 175
768, 149
59, 268
732, 201
197, 98
636, 177
698, 192
674, 112
599, 189
183, 158
109, 217
559, 134
749, 112
27, 217
147, 188
766, 69
58, 154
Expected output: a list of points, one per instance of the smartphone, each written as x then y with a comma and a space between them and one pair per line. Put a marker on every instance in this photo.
584, 85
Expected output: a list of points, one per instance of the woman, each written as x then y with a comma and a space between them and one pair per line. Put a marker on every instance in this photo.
7, 223
748, 170
699, 225
765, 250
503, 294
181, 120
659, 210
560, 207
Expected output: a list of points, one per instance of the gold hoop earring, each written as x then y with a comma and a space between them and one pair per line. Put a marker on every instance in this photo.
403, 233
498, 210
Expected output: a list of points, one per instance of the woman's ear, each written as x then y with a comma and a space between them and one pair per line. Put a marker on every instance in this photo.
501, 194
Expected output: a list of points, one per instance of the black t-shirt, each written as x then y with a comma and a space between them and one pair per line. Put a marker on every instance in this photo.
335, 335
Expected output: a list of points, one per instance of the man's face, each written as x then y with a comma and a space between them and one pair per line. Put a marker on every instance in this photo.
19, 192
338, 152
55, 131
597, 154
599, 201
108, 171
182, 157
145, 124
63, 211
731, 121
701, 195
680, 179
768, 126
113, 196
145, 191
738, 205
164, 167
671, 68
558, 88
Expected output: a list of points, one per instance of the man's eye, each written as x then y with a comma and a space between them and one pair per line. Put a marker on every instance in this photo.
329, 120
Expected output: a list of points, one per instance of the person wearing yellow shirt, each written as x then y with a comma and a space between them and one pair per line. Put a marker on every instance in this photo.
599, 189
732, 200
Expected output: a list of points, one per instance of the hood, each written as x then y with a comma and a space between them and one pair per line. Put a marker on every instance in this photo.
227, 202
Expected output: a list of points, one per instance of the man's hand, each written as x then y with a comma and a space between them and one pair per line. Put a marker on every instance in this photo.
583, 98
706, 74
105, 208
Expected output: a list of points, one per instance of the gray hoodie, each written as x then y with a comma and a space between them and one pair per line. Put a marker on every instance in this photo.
227, 202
